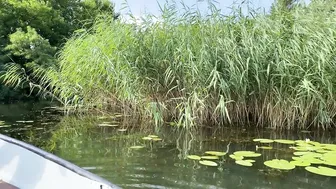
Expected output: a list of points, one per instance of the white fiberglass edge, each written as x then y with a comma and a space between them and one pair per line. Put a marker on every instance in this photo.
26, 169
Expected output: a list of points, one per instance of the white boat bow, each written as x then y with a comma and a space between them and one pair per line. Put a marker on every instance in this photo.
28, 167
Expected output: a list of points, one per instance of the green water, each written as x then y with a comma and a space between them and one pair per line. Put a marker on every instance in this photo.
105, 151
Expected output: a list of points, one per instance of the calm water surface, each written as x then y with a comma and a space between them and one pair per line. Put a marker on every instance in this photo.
105, 151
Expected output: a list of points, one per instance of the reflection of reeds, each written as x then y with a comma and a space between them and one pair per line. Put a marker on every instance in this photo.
272, 70
81, 141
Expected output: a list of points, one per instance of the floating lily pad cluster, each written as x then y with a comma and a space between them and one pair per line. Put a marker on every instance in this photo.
150, 138
306, 154
206, 159
240, 155
313, 156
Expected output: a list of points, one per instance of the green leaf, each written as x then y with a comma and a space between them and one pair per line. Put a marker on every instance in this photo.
156, 139
320, 170
247, 154
210, 157
250, 160
215, 153
208, 163
263, 140
265, 147
194, 157
243, 153
284, 141
232, 156
300, 163
300, 153
137, 147
244, 163
279, 164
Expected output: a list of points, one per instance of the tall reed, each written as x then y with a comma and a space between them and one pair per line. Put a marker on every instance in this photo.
275, 70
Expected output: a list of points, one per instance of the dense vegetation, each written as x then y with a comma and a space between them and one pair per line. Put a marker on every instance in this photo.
31, 32
275, 70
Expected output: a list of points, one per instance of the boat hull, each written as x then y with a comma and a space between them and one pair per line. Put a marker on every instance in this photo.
28, 167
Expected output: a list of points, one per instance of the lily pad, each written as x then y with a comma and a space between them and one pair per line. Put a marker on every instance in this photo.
279, 164
314, 143
247, 154
137, 147
321, 170
243, 153
305, 131
281, 141
311, 160
210, 157
194, 157
232, 156
215, 153
304, 144
156, 139
122, 130
244, 163
329, 157
300, 163
250, 160
322, 151
266, 141
252, 155
312, 154
260, 139
300, 153
208, 163
264, 147
306, 148
329, 146
331, 163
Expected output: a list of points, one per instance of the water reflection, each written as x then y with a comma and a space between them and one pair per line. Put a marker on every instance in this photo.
105, 151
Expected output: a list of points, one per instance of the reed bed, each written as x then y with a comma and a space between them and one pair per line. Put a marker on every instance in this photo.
268, 70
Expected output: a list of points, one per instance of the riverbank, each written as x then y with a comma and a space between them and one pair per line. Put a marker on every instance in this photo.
274, 70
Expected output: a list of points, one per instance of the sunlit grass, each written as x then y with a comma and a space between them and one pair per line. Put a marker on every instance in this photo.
273, 70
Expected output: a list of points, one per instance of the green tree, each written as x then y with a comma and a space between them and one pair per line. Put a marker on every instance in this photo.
32, 31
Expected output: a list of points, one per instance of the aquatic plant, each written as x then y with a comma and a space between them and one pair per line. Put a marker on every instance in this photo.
321, 170
274, 70
246, 154
194, 157
244, 163
216, 153
236, 157
208, 163
210, 157
137, 147
279, 164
